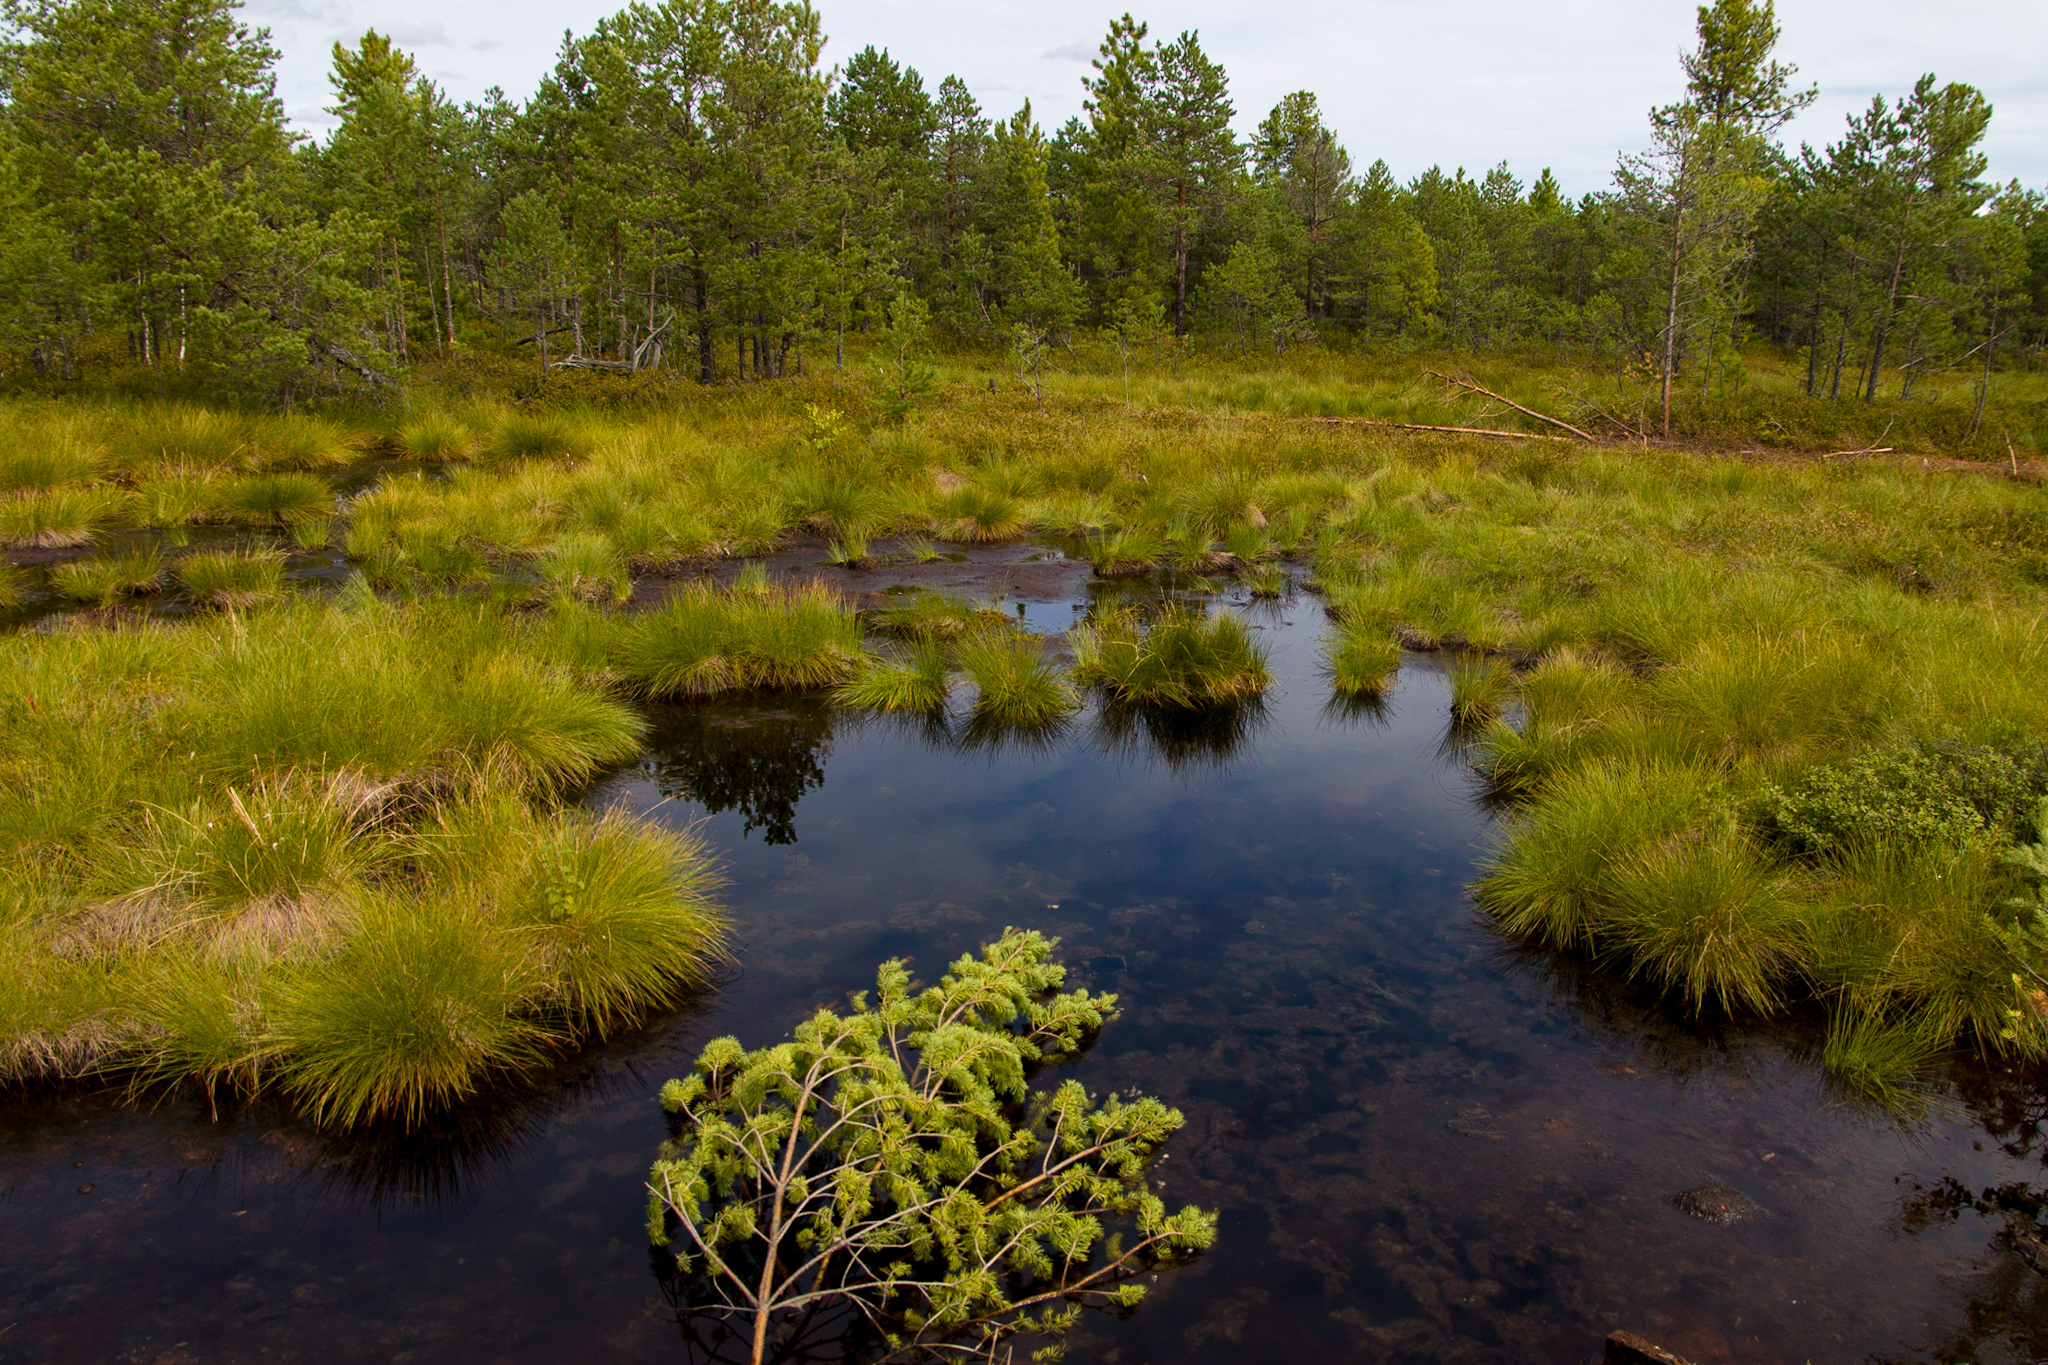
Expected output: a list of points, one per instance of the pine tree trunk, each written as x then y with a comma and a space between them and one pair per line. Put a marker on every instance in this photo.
1891, 305
1180, 264
1671, 308
447, 275
398, 303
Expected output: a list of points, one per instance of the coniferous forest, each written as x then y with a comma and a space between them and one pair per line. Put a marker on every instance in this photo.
695, 187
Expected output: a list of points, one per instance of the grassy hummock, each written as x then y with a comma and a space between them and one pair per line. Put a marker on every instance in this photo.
1016, 684
322, 851
1181, 659
704, 641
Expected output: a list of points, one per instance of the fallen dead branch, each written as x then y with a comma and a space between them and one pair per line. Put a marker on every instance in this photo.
1867, 450
1500, 398
1417, 426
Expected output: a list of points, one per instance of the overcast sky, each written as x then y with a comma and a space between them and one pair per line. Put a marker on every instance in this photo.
1558, 83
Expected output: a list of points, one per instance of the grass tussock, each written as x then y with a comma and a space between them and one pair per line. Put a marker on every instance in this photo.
320, 850
58, 518
438, 437
101, 582
1016, 685
918, 683
1480, 688
232, 578
703, 641
275, 500
1181, 659
1362, 661
1880, 1061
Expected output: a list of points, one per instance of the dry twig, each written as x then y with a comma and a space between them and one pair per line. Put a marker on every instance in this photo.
1527, 412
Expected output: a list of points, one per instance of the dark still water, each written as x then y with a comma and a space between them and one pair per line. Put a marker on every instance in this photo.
1425, 1145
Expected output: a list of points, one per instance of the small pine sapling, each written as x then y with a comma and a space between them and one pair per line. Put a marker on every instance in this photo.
887, 1181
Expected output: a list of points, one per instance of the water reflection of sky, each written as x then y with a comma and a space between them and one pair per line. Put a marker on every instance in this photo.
1427, 1144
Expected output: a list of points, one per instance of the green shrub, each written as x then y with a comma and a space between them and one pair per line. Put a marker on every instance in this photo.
1904, 796
905, 1134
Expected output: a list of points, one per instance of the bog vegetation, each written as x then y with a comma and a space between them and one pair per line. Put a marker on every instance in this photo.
1730, 535
887, 1177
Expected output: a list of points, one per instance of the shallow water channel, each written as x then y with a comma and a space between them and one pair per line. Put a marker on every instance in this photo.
1426, 1144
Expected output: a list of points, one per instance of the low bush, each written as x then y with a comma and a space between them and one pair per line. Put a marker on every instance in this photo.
898, 1156
1937, 794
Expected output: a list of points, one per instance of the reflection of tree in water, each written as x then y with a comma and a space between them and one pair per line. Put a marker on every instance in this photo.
757, 760
2005, 1307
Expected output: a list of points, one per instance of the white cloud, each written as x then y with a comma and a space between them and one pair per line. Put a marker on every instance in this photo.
1559, 83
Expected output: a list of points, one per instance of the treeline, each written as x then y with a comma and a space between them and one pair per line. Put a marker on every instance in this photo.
690, 189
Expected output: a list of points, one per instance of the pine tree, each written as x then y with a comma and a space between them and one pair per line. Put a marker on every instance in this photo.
1706, 175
